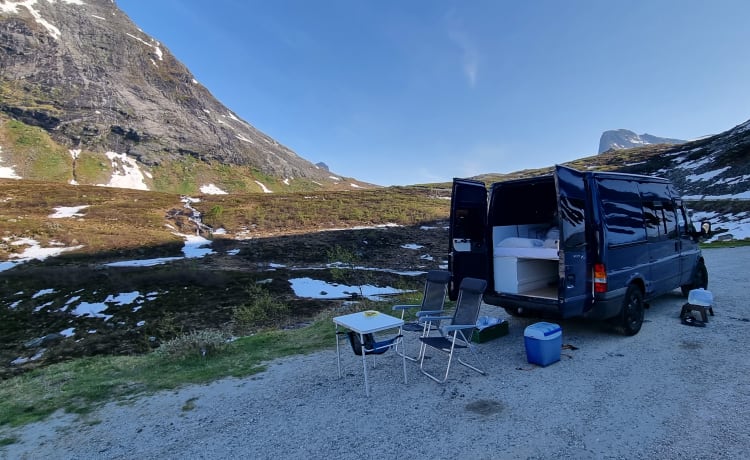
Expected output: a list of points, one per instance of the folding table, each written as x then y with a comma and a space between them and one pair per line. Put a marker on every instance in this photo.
366, 323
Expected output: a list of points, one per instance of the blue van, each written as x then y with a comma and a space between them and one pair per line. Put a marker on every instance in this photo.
597, 245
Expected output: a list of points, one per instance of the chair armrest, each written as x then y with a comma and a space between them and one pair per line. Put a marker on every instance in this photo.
455, 327
435, 318
428, 313
404, 307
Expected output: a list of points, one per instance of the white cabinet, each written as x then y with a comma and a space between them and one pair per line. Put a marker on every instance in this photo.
518, 276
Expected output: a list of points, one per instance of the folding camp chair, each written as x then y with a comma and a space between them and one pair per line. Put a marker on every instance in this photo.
433, 302
457, 334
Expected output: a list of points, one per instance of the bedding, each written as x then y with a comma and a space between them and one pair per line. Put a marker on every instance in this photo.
527, 248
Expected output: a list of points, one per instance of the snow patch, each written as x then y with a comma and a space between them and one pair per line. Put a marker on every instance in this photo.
67, 211
317, 289
706, 175
33, 252
154, 46
7, 172
127, 173
43, 292
263, 187
212, 189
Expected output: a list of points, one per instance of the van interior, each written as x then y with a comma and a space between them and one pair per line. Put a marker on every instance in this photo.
525, 238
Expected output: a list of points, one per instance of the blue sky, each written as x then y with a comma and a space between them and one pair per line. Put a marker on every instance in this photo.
399, 92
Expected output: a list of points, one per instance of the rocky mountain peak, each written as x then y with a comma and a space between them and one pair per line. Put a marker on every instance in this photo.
87, 75
624, 139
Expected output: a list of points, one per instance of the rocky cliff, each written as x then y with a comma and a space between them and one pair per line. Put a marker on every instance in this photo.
84, 73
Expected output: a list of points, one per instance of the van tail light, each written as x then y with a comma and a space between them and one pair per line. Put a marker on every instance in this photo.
600, 278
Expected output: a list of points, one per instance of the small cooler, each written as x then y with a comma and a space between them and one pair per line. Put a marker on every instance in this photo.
543, 343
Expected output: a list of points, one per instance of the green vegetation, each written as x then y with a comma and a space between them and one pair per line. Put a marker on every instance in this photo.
262, 310
41, 157
22, 93
92, 168
203, 344
81, 385
7, 441
295, 212
725, 244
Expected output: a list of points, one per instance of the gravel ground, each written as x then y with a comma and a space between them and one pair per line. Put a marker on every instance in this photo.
672, 391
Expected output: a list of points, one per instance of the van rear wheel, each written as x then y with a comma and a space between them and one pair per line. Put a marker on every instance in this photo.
631, 317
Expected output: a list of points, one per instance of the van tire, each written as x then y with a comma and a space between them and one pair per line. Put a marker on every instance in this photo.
700, 279
631, 316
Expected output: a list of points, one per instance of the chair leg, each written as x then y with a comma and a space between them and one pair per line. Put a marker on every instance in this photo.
447, 368
476, 357
470, 346
422, 369
402, 352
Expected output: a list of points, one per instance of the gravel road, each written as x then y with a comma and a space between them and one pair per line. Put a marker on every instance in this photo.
671, 391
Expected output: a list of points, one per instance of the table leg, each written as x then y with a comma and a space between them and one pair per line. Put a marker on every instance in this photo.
364, 363
338, 355
403, 358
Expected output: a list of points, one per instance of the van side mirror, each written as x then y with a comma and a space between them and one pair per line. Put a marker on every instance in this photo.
705, 228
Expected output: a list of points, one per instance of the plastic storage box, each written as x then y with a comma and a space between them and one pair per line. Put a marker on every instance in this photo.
484, 333
543, 343
701, 297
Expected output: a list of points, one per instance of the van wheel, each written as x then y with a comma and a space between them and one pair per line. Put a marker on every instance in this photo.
631, 318
700, 280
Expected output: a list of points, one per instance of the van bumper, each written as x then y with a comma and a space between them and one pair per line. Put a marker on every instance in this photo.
607, 305
531, 304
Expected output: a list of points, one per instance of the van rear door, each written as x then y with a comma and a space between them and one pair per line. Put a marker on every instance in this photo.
468, 255
572, 211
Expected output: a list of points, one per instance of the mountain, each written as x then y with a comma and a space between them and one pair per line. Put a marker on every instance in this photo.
714, 168
87, 97
623, 139
712, 174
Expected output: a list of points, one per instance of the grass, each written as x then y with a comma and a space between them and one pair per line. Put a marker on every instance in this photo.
81, 385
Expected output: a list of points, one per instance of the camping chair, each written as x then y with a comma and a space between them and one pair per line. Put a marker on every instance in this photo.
458, 333
433, 301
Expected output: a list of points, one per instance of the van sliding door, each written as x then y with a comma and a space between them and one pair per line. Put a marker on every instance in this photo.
574, 270
468, 254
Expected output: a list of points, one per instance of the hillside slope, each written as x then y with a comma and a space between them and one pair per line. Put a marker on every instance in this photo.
91, 80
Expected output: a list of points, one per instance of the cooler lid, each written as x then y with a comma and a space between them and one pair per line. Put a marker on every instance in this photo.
700, 297
542, 330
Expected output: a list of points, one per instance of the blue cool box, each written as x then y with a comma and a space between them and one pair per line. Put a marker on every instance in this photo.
543, 343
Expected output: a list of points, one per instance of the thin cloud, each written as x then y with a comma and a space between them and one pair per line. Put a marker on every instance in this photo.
469, 54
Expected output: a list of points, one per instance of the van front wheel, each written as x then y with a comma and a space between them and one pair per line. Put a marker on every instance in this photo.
700, 279
631, 317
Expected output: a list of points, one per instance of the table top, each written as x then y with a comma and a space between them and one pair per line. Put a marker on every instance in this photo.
364, 324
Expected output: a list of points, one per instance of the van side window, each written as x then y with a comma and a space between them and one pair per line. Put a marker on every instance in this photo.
670, 220
652, 215
622, 211
658, 211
